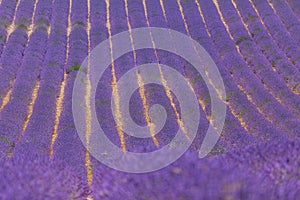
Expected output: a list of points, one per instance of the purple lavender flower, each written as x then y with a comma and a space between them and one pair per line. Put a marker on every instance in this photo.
29, 177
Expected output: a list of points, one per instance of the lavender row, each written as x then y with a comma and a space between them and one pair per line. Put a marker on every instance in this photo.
26, 80
106, 182
68, 146
12, 55
155, 14
274, 54
108, 186
98, 23
289, 19
77, 16
295, 5
127, 62
137, 14
236, 100
252, 56
37, 135
24, 16
267, 104
117, 17
137, 18
7, 11
278, 31
176, 22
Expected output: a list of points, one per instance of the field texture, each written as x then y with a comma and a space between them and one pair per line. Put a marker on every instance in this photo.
255, 45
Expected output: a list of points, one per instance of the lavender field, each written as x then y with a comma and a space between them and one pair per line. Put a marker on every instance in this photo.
255, 46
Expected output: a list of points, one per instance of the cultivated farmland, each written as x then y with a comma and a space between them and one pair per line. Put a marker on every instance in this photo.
47, 153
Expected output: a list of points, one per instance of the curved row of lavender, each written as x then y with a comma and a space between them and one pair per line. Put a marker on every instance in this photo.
256, 47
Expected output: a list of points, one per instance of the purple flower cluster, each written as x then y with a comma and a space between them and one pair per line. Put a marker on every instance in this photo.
27, 177
259, 171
